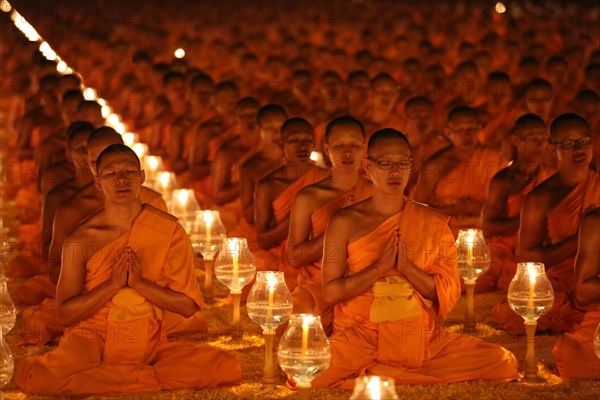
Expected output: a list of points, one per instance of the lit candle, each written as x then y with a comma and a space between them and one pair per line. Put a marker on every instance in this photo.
373, 388
532, 278
182, 197
129, 138
470, 237
208, 218
271, 282
233, 247
306, 321
164, 183
153, 165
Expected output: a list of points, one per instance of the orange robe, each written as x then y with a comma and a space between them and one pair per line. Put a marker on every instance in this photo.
282, 206
503, 249
574, 352
41, 326
412, 349
309, 277
470, 178
562, 222
122, 347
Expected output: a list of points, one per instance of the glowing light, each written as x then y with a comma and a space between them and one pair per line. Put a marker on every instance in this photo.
105, 111
500, 8
129, 138
179, 53
140, 149
61, 67
373, 387
101, 101
68, 71
120, 127
5, 6
112, 119
89, 93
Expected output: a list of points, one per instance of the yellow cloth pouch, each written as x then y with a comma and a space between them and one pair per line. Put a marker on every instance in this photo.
128, 305
394, 298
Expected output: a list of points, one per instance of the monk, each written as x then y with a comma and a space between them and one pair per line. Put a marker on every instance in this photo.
36, 289
61, 169
142, 264
455, 180
392, 277
385, 95
238, 145
539, 98
502, 207
550, 219
275, 193
315, 204
39, 321
574, 352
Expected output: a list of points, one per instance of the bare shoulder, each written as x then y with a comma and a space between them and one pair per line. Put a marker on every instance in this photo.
545, 189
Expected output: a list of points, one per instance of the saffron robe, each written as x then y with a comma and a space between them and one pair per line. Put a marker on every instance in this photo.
417, 349
309, 277
562, 222
469, 178
122, 347
574, 352
503, 249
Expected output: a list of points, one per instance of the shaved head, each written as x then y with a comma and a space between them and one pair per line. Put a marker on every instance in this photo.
114, 149
528, 121
385, 134
104, 133
296, 125
566, 121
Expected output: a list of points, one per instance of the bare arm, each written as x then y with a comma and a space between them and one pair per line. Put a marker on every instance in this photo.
268, 232
301, 249
492, 220
72, 305
163, 297
587, 264
338, 286
64, 223
421, 280
224, 191
532, 235
51, 204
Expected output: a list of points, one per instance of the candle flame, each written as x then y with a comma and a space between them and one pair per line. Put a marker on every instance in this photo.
61, 67
139, 149
129, 138
183, 196
532, 273
112, 119
373, 387
272, 280
471, 236
105, 111
90, 94
307, 320
500, 8
153, 163
233, 245
179, 53
208, 217
164, 179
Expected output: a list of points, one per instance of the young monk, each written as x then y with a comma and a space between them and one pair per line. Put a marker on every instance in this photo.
39, 321
142, 265
549, 221
275, 193
385, 96
391, 274
39, 287
574, 352
502, 206
455, 180
315, 204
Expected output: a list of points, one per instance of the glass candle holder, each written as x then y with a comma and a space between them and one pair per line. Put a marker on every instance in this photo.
374, 388
184, 206
235, 268
141, 149
269, 304
130, 138
165, 184
304, 351
473, 259
8, 312
152, 165
530, 295
7, 363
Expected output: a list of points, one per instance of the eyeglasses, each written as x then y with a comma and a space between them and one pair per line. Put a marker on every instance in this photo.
388, 165
569, 144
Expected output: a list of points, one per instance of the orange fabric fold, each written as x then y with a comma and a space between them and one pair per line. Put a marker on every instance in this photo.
99, 355
413, 350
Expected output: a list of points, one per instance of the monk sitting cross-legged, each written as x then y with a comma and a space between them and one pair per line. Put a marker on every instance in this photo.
550, 219
455, 180
275, 193
121, 268
315, 204
574, 352
502, 207
392, 276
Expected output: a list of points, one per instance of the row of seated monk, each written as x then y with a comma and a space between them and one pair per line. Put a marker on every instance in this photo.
308, 227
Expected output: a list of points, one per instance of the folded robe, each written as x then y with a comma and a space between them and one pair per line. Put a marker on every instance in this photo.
414, 349
122, 347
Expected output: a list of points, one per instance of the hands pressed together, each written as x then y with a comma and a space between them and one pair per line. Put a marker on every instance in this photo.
394, 254
126, 269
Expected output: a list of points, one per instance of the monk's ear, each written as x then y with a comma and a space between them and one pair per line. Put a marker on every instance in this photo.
68, 153
97, 182
326, 149
142, 177
366, 166
446, 132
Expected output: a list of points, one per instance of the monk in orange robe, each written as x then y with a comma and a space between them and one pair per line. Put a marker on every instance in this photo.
269, 157
574, 352
275, 193
392, 280
550, 219
39, 322
315, 204
142, 265
502, 207
456, 179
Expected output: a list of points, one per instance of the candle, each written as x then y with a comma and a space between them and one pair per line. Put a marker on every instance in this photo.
233, 247
153, 166
182, 197
373, 388
164, 183
271, 282
208, 218
306, 321
532, 278
470, 238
